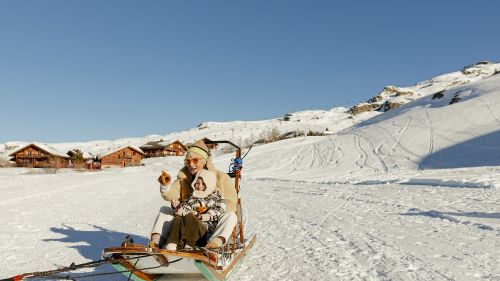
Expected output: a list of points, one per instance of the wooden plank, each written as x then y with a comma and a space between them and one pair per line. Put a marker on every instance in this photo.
194, 255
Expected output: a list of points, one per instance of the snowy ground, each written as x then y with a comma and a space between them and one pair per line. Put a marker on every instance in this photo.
318, 231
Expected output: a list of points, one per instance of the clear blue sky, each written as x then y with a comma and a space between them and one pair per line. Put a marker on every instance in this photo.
97, 69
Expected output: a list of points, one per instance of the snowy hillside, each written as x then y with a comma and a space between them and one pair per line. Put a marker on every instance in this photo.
331, 121
428, 133
242, 133
393, 97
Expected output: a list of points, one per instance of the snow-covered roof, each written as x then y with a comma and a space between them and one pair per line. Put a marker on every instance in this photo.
45, 147
155, 144
160, 144
104, 154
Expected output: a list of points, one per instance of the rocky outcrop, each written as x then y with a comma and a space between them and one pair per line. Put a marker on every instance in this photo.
376, 99
456, 98
391, 105
390, 97
473, 69
364, 107
438, 95
287, 117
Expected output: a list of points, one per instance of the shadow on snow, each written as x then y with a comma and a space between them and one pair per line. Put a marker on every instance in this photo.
90, 243
450, 216
480, 151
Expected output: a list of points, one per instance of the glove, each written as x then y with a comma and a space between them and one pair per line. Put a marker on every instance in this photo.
201, 209
164, 178
175, 204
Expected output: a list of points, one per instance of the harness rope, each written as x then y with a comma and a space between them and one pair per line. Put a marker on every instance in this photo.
72, 267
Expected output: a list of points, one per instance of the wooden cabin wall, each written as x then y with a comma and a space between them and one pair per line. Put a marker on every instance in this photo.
125, 157
32, 157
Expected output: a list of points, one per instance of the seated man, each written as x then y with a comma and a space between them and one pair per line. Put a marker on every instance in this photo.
197, 158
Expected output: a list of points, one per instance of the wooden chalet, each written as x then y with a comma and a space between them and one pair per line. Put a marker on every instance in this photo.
122, 157
36, 155
176, 148
210, 146
162, 148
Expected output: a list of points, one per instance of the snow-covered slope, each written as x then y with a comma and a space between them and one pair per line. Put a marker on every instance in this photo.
460, 129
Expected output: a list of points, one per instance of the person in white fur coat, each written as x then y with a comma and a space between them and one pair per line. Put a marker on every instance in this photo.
198, 215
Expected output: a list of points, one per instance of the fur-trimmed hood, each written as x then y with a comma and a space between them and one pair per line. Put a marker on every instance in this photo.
210, 180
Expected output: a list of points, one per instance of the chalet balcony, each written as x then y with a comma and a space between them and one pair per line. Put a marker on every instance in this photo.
32, 156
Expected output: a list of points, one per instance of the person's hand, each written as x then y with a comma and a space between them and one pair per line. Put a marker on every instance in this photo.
164, 179
204, 217
175, 204
178, 212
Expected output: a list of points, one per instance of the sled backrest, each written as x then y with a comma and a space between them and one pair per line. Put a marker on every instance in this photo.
236, 164
235, 172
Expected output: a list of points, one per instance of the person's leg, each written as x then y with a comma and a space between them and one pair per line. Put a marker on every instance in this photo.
223, 231
161, 226
193, 230
174, 237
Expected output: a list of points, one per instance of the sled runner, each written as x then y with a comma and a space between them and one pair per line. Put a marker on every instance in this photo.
144, 263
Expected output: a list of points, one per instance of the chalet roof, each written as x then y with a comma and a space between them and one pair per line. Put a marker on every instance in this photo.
205, 139
178, 141
44, 147
104, 154
155, 145
160, 144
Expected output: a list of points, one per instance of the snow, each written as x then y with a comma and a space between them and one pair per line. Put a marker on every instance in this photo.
409, 194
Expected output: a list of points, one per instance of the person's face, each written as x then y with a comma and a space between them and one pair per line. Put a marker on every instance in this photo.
199, 184
194, 163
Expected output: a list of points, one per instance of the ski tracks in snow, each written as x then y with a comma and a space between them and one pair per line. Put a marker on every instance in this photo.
493, 116
397, 142
350, 232
362, 161
431, 139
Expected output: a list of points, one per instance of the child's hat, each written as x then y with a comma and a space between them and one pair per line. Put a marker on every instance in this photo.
210, 180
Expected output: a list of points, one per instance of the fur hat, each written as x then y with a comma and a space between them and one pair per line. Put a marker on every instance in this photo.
210, 180
200, 148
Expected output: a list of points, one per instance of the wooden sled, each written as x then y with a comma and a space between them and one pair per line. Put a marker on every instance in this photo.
142, 263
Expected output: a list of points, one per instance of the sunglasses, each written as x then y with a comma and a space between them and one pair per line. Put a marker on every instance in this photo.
192, 160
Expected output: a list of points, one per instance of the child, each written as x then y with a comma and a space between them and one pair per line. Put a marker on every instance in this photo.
198, 215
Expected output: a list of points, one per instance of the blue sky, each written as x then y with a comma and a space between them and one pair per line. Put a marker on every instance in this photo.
94, 69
